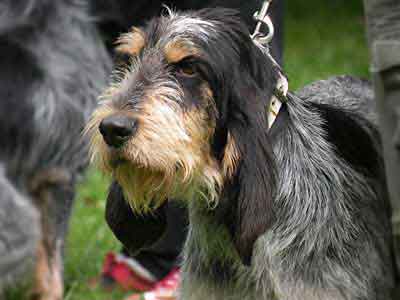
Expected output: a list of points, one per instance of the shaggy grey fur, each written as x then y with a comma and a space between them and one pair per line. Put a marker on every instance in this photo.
331, 239
17, 243
53, 68
347, 92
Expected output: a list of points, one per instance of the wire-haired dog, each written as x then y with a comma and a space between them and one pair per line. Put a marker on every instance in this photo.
53, 65
295, 211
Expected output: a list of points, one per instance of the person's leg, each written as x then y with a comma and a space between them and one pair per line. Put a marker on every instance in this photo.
383, 26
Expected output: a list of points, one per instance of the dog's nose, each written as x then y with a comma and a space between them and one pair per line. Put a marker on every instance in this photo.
117, 129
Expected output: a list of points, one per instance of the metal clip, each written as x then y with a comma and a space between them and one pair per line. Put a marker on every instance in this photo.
262, 18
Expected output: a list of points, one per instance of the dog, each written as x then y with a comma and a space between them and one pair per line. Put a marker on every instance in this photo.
285, 203
54, 66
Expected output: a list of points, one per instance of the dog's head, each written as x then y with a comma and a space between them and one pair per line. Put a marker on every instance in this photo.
187, 118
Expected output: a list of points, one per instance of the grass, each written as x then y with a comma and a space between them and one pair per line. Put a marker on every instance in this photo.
322, 38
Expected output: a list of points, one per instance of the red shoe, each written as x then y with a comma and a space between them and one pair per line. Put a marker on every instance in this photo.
165, 289
127, 273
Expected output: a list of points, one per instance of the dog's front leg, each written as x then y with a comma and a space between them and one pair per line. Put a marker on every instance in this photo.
19, 233
53, 191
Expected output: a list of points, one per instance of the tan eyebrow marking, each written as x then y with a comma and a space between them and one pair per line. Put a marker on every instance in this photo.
131, 43
177, 50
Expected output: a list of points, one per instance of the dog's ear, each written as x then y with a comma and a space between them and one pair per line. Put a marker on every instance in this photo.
133, 231
250, 184
247, 158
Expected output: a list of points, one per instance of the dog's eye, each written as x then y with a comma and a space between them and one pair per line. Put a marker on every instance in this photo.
186, 69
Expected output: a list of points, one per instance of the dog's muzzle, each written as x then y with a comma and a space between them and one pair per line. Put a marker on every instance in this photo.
117, 129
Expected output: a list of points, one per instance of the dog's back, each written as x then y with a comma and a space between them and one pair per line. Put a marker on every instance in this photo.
345, 92
353, 95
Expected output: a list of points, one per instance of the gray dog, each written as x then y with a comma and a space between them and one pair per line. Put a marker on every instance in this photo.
53, 67
286, 192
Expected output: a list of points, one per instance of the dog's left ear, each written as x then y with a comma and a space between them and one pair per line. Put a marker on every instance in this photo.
249, 189
247, 158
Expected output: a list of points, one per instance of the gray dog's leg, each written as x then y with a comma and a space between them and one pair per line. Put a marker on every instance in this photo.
53, 193
19, 232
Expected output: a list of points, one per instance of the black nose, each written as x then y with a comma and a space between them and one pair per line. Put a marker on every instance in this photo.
117, 129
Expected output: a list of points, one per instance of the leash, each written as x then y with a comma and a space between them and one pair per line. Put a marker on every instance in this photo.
263, 39
263, 18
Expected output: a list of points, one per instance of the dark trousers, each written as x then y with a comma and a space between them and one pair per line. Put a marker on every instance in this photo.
383, 27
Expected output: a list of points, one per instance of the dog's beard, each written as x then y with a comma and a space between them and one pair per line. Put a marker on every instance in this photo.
147, 189
148, 180
144, 189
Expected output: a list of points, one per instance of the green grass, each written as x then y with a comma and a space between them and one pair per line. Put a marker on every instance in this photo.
88, 241
322, 38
